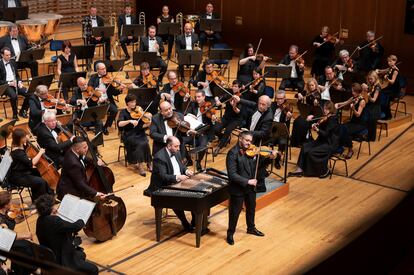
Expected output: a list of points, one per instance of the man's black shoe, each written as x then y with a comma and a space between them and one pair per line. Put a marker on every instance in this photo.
105, 131
325, 175
230, 239
256, 232
23, 114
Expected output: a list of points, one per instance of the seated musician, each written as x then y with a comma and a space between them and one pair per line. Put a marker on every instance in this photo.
295, 81
187, 41
324, 52
169, 169
22, 242
309, 107
358, 122
17, 43
66, 63
73, 175
97, 21
202, 81
372, 89
391, 86
48, 138
58, 235
370, 56
231, 119
138, 152
282, 114
153, 43
167, 18
346, 69
329, 84
257, 87
170, 94
207, 34
10, 76
207, 118
22, 173
145, 79
249, 62
10, 4
314, 155
37, 106
108, 91
83, 100
161, 129
126, 19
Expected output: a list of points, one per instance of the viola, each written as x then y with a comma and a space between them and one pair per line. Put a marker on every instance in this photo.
263, 151
331, 38
139, 114
50, 102
18, 212
181, 89
175, 122
207, 108
91, 93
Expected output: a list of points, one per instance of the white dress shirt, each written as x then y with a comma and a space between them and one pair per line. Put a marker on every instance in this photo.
294, 73
325, 95
103, 86
168, 130
54, 134
9, 71
209, 16
16, 47
94, 22
151, 44
256, 116
188, 44
11, 4
127, 19
277, 115
199, 115
42, 105
174, 163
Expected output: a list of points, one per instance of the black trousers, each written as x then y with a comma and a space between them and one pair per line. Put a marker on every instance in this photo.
200, 141
32, 65
235, 207
11, 93
112, 111
170, 40
163, 68
193, 73
106, 41
181, 216
215, 37
228, 126
37, 185
124, 40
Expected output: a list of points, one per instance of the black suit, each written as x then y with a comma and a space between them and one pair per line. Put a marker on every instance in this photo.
54, 150
73, 178
202, 77
178, 100
5, 41
57, 234
36, 112
106, 40
180, 44
123, 39
11, 91
215, 37
144, 47
295, 83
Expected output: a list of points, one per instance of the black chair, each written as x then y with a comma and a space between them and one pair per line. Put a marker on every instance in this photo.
361, 138
42, 253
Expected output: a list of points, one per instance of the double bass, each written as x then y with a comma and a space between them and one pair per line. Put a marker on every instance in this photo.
110, 214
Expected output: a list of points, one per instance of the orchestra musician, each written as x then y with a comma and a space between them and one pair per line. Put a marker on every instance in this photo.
357, 124
207, 34
201, 80
37, 106
324, 52
346, 69
66, 63
249, 62
314, 155
330, 86
73, 174
17, 43
167, 18
372, 88
22, 244
10, 4
98, 21
295, 81
187, 41
10, 76
371, 55
177, 101
391, 86
138, 152
169, 169
48, 138
22, 172
108, 91
153, 43
58, 235
242, 184
231, 119
258, 86
145, 79
83, 99
126, 19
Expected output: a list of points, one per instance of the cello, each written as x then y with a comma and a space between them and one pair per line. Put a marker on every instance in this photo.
110, 214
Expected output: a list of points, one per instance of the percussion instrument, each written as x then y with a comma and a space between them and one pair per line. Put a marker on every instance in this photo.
192, 19
4, 27
33, 29
52, 21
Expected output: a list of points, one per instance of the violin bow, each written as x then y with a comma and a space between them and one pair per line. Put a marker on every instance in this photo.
297, 58
327, 39
146, 109
370, 43
257, 164
258, 47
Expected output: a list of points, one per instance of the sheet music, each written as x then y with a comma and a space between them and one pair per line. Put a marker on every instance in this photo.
73, 208
5, 164
7, 238
194, 123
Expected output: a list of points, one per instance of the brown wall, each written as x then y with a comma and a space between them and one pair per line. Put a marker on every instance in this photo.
284, 22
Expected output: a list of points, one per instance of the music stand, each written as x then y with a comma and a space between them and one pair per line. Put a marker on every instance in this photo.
134, 30
69, 80
95, 113
277, 72
150, 57
114, 65
40, 80
32, 55
210, 25
145, 96
15, 14
103, 31
84, 52
190, 57
3, 89
220, 54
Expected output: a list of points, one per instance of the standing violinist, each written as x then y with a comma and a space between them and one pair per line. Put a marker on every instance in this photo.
202, 81
208, 34
153, 43
324, 52
371, 54
138, 152
83, 99
171, 92
187, 41
314, 155
346, 69
249, 62
102, 82
48, 138
73, 175
295, 81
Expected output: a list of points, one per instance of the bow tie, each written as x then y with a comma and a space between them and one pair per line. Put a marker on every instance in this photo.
172, 155
14, 38
93, 18
188, 35
152, 39
127, 15
8, 63
80, 158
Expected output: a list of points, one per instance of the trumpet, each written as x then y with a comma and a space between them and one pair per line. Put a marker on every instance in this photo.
196, 47
179, 19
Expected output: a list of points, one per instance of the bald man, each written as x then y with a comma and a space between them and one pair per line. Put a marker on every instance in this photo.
184, 42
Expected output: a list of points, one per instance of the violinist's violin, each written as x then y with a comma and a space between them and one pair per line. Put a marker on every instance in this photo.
149, 80
91, 93
50, 103
215, 77
181, 89
115, 81
140, 114
207, 108
263, 151
18, 212
175, 122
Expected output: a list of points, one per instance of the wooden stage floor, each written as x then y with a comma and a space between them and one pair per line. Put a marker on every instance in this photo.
317, 218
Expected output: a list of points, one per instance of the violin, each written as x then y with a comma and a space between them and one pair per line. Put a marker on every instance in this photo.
207, 108
260, 57
349, 63
331, 38
18, 212
115, 81
256, 82
181, 89
91, 93
140, 114
215, 77
149, 80
263, 151
286, 107
50, 103
175, 122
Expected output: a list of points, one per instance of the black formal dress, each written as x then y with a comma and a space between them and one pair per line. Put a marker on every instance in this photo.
374, 111
144, 47
123, 39
106, 40
245, 71
135, 140
167, 37
388, 94
259, 87
22, 174
67, 66
369, 57
73, 177
292, 82
314, 155
55, 150
323, 56
215, 37
58, 235
354, 127
180, 45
